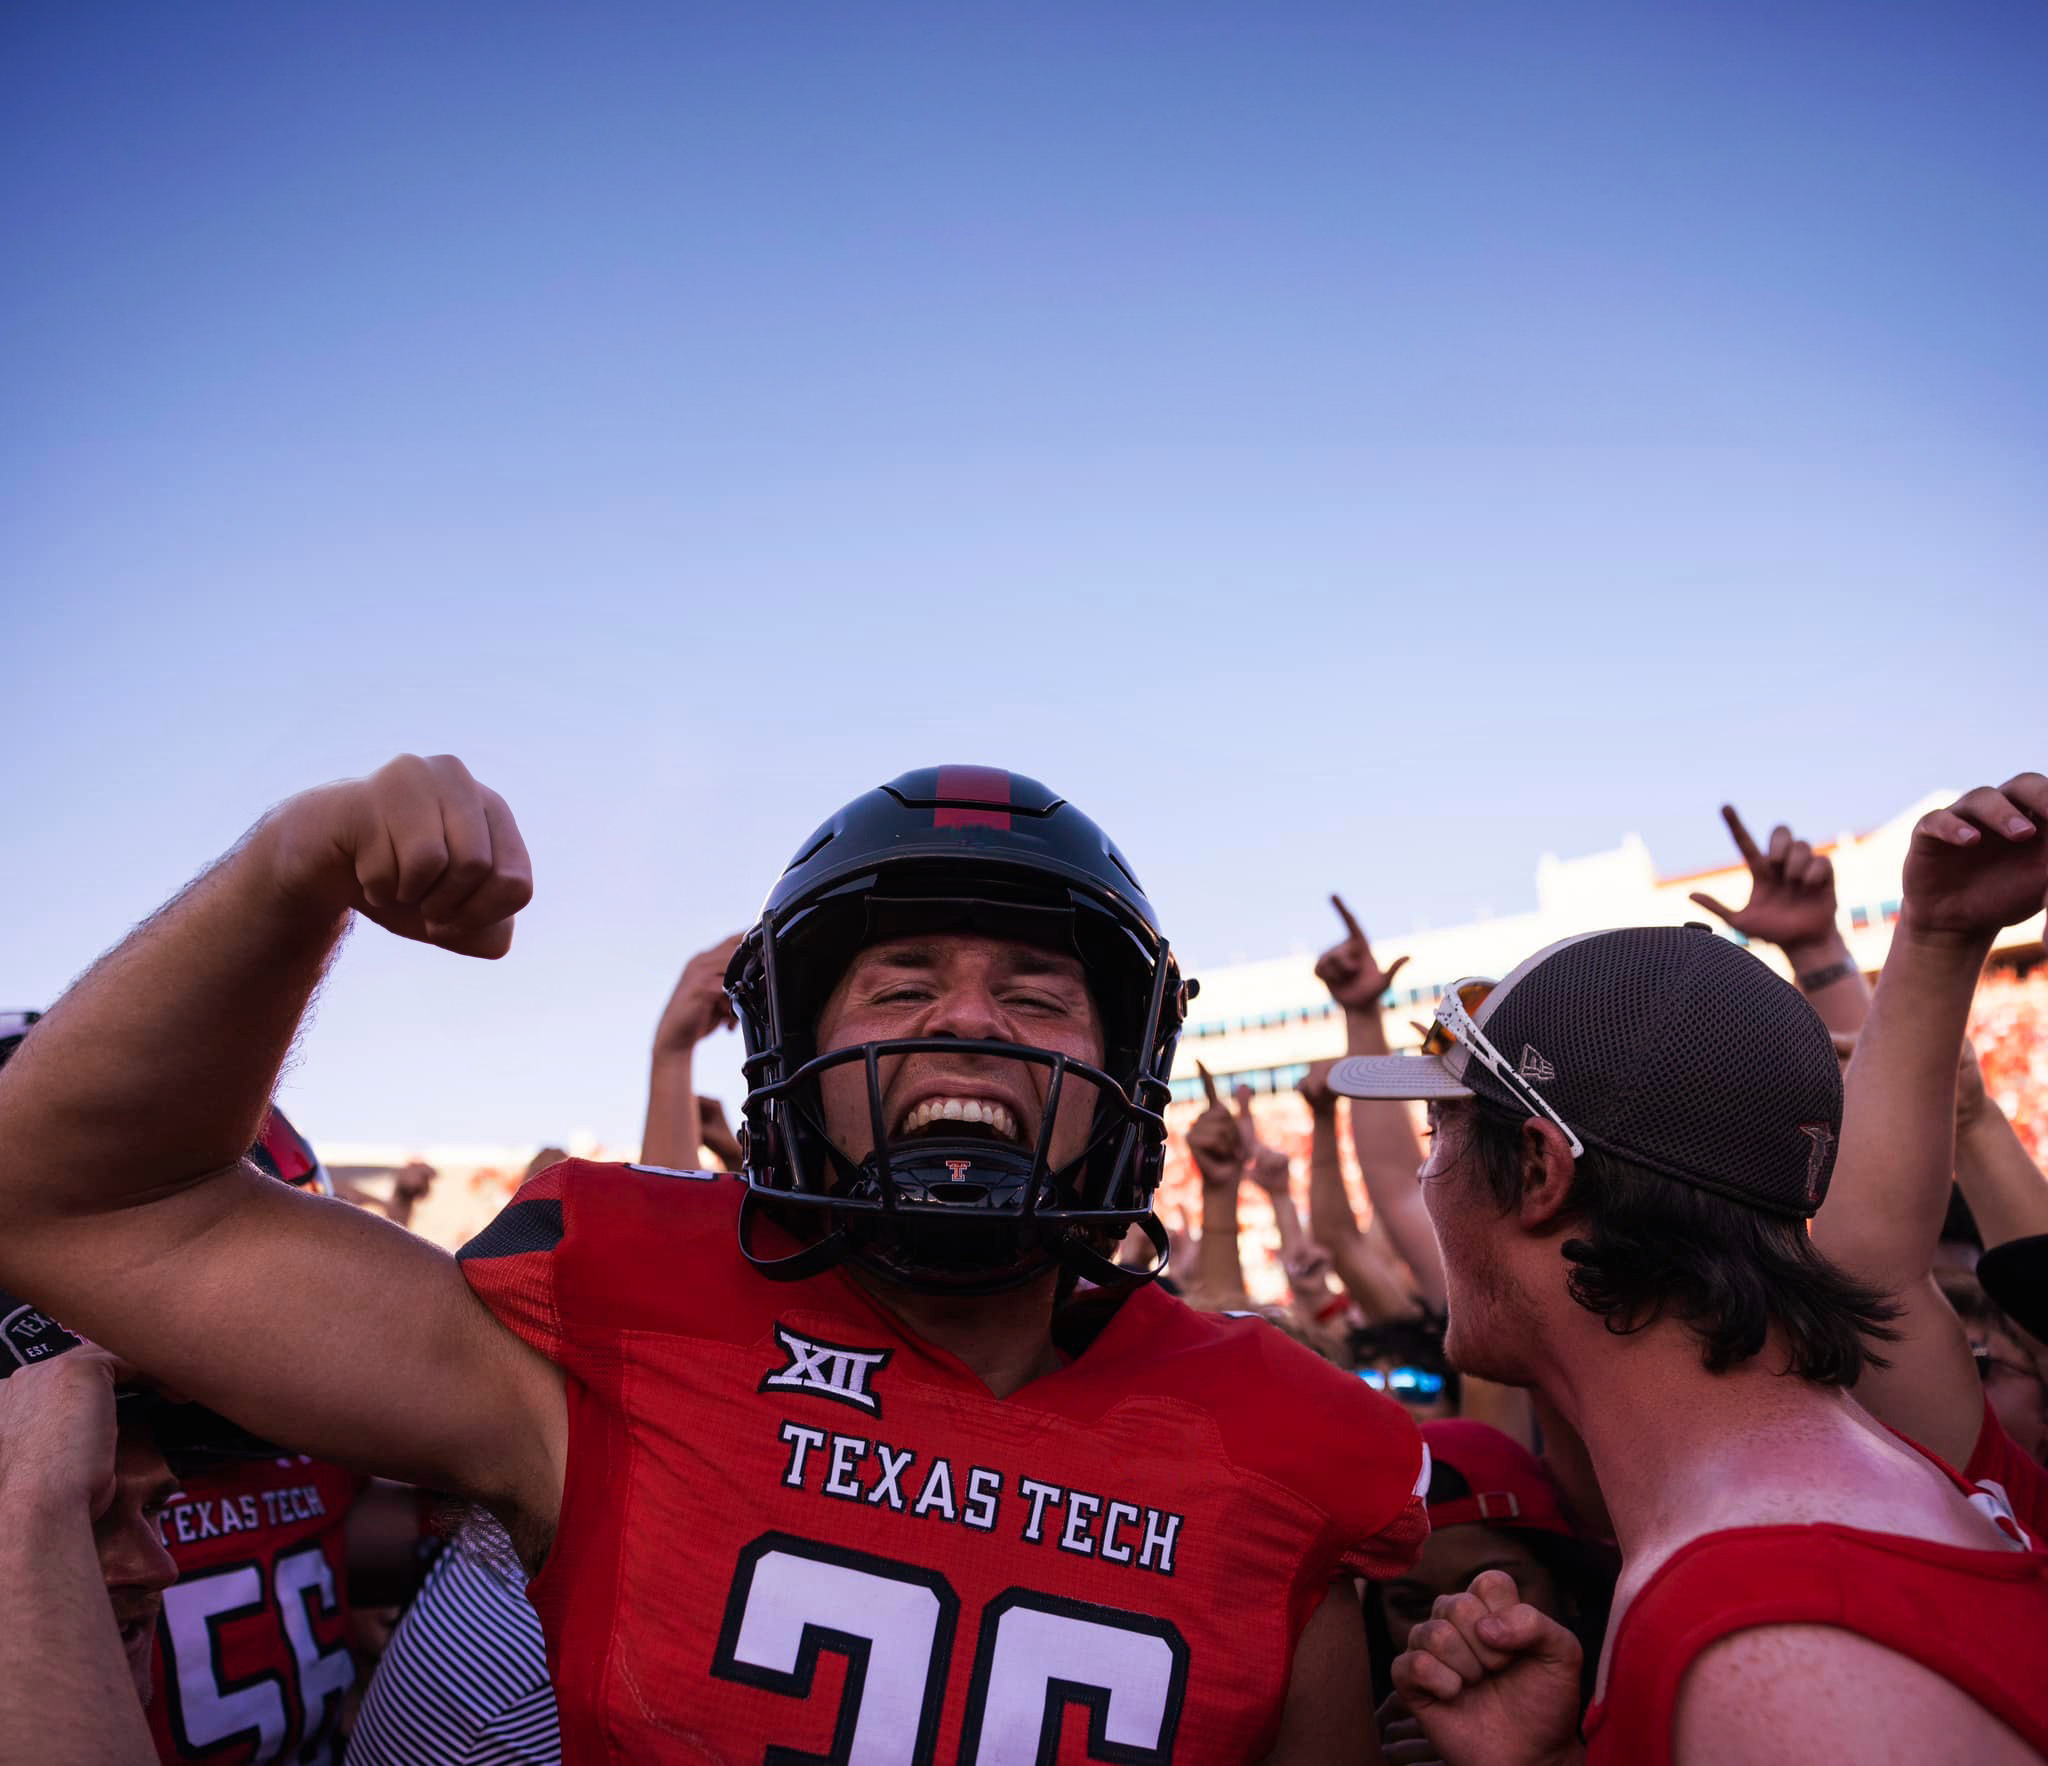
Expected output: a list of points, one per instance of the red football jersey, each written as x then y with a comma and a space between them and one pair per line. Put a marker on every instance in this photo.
251, 1660
790, 1525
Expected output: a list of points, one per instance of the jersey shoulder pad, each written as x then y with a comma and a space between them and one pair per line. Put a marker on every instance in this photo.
1286, 1414
580, 1229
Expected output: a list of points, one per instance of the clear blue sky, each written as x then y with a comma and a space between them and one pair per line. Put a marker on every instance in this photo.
1361, 442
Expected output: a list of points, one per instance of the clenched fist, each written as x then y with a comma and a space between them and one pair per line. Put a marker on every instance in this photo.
419, 847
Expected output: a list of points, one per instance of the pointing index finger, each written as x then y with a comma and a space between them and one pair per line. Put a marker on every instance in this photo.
1208, 1084
1351, 924
1752, 854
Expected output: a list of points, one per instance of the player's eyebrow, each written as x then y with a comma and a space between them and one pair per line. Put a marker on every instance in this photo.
899, 956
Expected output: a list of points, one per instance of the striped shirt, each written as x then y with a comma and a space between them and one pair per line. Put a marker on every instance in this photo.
465, 1681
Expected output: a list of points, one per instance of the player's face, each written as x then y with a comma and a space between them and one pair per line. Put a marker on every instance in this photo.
1451, 1557
978, 989
1491, 1323
133, 1562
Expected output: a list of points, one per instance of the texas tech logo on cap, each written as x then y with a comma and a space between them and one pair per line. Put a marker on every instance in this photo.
827, 1370
1822, 1137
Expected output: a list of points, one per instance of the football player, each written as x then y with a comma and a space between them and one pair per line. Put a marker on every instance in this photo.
868, 1453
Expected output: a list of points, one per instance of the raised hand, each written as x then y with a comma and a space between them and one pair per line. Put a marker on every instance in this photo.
413, 1180
1493, 1680
717, 1136
1214, 1137
1348, 969
1980, 864
1266, 1166
57, 1419
1791, 890
699, 1004
419, 847
1315, 1087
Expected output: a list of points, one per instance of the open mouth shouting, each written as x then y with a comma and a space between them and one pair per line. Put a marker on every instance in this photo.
962, 1114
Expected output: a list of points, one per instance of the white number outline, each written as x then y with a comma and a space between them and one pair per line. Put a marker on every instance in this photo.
182, 1609
1092, 1696
817, 1638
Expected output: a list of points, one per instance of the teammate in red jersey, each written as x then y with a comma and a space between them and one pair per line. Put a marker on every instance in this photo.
251, 1662
1632, 1130
832, 1456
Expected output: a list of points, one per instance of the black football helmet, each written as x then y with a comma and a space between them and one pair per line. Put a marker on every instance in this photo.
970, 849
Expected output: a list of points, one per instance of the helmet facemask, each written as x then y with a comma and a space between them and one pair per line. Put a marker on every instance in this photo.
955, 1208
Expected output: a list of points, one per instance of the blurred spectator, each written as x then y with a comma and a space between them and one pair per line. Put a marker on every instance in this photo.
675, 1130
466, 1675
82, 1570
542, 1160
1490, 1508
1404, 1358
1374, 1284
1383, 1134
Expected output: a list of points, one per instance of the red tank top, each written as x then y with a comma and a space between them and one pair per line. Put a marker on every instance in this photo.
1979, 1619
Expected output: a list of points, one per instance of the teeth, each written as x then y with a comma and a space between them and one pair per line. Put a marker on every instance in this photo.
980, 1110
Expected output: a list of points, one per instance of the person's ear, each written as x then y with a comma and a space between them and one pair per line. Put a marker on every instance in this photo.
1546, 1173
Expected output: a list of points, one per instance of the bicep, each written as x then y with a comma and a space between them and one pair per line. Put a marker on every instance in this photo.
1327, 1719
315, 1324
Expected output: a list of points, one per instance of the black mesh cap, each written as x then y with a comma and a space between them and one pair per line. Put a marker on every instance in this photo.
1666, 1046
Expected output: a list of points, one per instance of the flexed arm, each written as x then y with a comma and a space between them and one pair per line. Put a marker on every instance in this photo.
125, 1113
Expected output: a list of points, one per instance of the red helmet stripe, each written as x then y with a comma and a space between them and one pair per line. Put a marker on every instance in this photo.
985, 785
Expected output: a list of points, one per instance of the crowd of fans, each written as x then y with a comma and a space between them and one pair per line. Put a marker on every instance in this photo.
398, 1625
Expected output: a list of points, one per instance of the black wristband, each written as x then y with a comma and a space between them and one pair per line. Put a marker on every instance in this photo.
1815, 979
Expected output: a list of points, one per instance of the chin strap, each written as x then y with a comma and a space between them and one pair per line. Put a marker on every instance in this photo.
1080, 1258
809, 1260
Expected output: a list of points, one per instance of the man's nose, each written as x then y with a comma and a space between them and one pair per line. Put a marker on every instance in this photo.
137, 1558
970, 1011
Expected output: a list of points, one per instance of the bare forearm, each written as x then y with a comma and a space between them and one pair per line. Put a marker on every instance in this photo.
1832, 982
1330, 1219
1884, 1211
1389, 1155
66, 1696
671, 1137
156, 1068
1287, 1218
1219, 1271
1373, 1282
2006, 1190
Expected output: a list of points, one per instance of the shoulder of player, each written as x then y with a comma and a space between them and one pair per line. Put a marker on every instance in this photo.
1793, 1692
1247, 1372
586, 1198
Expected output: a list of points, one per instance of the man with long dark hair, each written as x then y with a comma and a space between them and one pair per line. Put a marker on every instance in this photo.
1631, 1132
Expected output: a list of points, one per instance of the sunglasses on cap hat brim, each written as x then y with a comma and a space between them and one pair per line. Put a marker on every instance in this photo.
1452, 1041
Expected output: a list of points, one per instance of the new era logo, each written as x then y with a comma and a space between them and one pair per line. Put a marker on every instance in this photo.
827, 1370
1534, 1068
